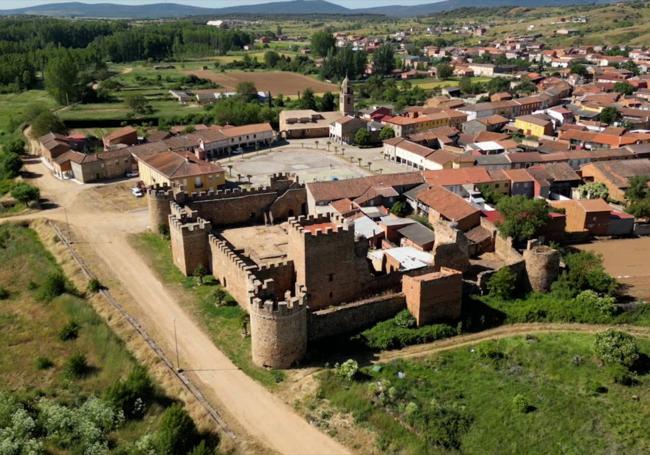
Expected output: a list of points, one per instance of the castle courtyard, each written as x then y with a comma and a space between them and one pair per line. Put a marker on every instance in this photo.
262, 244
310, 161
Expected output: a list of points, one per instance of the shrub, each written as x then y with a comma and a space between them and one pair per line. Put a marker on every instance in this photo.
10, 164
348, 369
25, 193
401, 208
43, 363
520, 404
4, 294
53, 286
584, 270
177, 434
446, 426
133, 395
616, 348
70, 331
94, 286
605, 304
392, 334
77, 366
502, 284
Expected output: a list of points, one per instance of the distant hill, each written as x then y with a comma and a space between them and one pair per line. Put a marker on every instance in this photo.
304, 7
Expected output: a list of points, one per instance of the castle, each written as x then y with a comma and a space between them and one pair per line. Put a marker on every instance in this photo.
301, 278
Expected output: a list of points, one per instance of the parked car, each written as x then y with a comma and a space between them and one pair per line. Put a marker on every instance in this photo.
132, 174
137, 192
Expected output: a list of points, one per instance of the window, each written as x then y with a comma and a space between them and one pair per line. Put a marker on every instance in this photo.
331, 277
198, 183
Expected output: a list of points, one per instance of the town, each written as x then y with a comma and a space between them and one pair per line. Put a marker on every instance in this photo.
364, 235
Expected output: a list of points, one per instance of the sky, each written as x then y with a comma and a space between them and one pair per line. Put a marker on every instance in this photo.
8, 4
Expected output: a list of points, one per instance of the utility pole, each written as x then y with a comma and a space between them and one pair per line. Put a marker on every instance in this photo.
178, 362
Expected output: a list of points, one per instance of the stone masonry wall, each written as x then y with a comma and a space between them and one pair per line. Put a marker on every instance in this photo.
189, 242
232, 271
434, 296
354, 316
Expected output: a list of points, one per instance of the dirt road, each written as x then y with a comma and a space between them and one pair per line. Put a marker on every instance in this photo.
505, 331
243, 401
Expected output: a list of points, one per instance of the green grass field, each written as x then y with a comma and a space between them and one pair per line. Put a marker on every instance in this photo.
222, 323
462, 400
31, 335
12, 106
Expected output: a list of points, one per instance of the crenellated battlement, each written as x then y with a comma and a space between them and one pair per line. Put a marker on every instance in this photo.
302, 224
160, 191
213, 195
227, 250
183, 226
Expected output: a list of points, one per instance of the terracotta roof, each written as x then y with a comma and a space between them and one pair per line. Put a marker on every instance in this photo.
448, 204
353, 188
462, 176
518, 175
120, 133
175, 165
556, 172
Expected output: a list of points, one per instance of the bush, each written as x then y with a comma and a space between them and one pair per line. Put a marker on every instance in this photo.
4, 294
25, 193
133, 395
10, 165
584, 271
43, 363
401, 208
70, 331
616, 348
77, 366
348, 369
520, 404
393, 333
53, 286
177, 434
94, 286
502, 284
605, 304
47, 122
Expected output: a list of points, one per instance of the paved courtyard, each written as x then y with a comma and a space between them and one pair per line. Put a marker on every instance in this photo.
311, 161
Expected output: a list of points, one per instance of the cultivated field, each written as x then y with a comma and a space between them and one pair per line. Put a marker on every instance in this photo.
277, 82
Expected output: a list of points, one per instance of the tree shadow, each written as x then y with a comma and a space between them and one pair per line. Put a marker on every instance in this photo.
642, 365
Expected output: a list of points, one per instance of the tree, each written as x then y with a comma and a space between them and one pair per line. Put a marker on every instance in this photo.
62, 78
593, 190
498, 84
271, 59
47, 122
609, 115
616, 347
15, 145
466, 86
322, 43
10, 165
137, 103
177, 434
490, 194
383, 60
328, 102
631, 66
584, 270
444, 71
362, 137
502, 284
132, 395
25, 193
640, 208
401, 209
308, 100
524, 218
386, 133
247, 90
638, 188
579, 68
624, 88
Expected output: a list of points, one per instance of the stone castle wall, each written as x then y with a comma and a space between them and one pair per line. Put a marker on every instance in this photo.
354, 316
231, 269
189, 242
542, 267
434, 296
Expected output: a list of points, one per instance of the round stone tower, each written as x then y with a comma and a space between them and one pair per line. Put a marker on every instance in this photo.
278, 332
542, 267
158, 200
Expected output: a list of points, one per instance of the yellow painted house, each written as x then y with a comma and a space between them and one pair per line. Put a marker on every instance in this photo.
180, 169
534, 125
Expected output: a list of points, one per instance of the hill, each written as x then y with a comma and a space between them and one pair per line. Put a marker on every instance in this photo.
297, 7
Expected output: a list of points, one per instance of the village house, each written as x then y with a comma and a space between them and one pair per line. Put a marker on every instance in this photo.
180, 170
615, 175
442, 204
120, 138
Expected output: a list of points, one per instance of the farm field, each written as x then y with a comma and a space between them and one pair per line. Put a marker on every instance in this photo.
432, 84
13, 105
277, 82
464, 400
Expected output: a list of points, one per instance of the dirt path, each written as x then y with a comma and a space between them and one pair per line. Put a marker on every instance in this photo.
502, 332
243, 401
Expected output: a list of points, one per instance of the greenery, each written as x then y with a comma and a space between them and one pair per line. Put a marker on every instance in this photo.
383, 60
47, 122
70, 331
609, 115
401, 331
584, 271
401, 208
490, 194
386, 133
524, 218
593, 190
54, 285
62, 393
444, 71
463, 400
638, 188
25, 193
616, 347
502, 284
